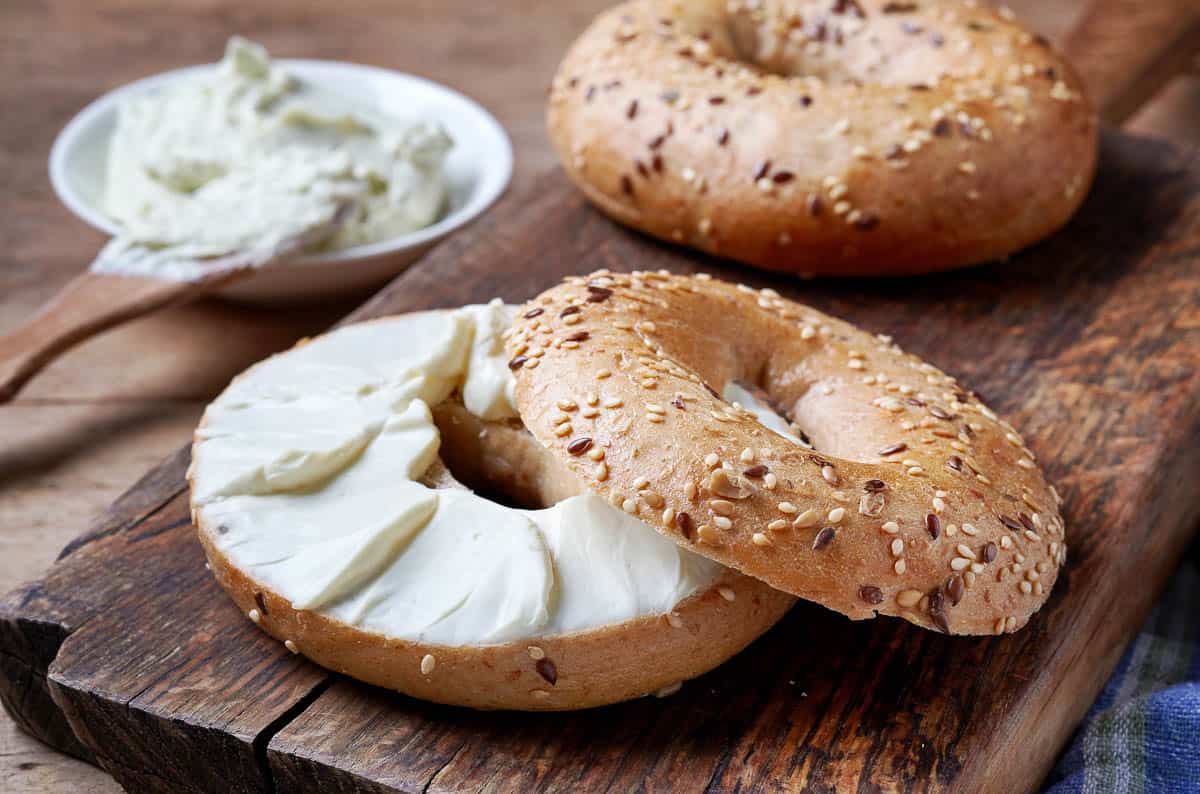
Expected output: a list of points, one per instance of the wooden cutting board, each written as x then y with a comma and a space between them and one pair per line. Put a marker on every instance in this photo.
127, 654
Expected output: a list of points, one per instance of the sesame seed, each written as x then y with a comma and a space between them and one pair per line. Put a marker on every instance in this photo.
890, 527
722, 522
900, 566
954, 589
777, 525
870, 594
428, 663
759, 539
707, 535
965, 551
727, 593
959, 563
808, 518
786, 507
836, 515
908, 598
721, 507
897, 547
823, 538
547, 670
535, 653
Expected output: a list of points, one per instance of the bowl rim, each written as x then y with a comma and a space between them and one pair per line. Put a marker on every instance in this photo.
494, 175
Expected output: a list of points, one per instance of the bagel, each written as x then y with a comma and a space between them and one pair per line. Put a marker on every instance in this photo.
328, 516
899, 492
839, 137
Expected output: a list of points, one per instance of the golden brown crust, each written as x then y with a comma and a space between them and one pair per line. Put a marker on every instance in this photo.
856, 138
917, 501
573, 671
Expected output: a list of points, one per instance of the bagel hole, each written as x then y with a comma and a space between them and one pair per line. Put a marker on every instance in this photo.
752, 396
759, 37
498, 460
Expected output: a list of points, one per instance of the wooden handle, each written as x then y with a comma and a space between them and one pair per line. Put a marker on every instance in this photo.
1125, 50
88, 304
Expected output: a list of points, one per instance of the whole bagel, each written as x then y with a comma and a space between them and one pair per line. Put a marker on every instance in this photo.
914, 499
612, 662
841, 137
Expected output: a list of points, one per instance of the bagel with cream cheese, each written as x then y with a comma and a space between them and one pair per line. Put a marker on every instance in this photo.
834, 137
889, 490
324, 488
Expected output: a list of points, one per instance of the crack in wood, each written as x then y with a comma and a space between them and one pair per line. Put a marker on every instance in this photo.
261, 743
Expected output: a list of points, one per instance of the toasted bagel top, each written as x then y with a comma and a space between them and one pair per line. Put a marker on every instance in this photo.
913, 500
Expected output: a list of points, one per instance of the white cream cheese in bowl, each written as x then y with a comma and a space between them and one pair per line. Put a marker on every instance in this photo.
305, 476
195, 162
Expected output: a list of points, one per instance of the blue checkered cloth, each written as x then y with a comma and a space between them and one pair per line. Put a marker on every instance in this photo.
1143, 733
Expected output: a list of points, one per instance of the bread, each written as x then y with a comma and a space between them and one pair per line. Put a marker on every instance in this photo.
867, 137
609, 661
639, 657
915, 500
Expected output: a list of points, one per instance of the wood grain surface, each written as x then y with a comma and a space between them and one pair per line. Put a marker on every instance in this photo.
1089, 342
98, 418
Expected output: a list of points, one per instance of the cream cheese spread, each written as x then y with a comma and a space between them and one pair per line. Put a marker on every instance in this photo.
304, 475
245, 156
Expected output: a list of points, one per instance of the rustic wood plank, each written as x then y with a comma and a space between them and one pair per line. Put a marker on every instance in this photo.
83, 434
1089, 342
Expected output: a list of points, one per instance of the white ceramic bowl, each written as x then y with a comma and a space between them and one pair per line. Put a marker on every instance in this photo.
478, 169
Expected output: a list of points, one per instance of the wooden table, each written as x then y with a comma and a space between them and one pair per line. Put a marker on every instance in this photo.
106, 412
